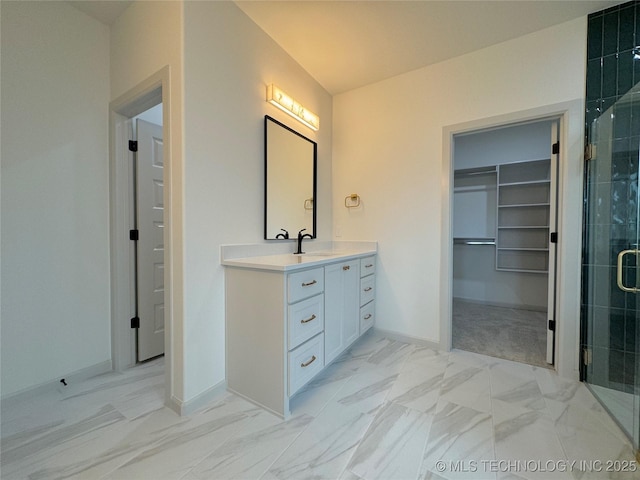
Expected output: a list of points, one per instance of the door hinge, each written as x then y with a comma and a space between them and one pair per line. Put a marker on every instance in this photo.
555, 148
135, 322
134, 235
587, 356
133, 145
589, 151
552, 325
553, 237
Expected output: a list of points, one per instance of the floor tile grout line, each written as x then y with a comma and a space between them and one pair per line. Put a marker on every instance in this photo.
493, 419
356, 447
350, 378
293, 440
229, 439
380, 408
428, 437
181, 421
304, 429
372, 419
402, 364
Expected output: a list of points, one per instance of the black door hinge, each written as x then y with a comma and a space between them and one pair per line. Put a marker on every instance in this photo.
553, 238
134, 235
552, 325
555, 148
135, 322
133, 145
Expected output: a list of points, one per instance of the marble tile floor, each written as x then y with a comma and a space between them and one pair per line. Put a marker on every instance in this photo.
621, 405
385, 410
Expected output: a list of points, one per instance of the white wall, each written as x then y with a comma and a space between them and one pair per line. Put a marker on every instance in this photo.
516, 143
228, 63
388, 147
55, 218
153, 115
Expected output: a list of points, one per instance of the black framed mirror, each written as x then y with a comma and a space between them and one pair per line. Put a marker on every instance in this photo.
290, 161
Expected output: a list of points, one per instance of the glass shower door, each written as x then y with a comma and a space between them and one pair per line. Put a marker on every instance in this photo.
610, 281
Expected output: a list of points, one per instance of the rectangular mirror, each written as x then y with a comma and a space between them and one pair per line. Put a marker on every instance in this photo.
290, 182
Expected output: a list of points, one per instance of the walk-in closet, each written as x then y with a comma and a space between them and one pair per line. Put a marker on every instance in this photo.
504, 217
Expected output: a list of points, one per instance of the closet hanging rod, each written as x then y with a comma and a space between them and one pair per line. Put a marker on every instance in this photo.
475, 171
474, 241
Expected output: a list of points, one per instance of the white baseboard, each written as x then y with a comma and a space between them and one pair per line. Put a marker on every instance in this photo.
190, 406
408, 339
258, 404
70, 378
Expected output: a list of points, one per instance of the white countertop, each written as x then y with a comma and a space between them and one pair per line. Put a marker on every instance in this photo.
288, 261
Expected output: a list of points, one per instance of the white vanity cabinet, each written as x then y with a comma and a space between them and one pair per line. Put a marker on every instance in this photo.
367, 293
341, 298
285, 323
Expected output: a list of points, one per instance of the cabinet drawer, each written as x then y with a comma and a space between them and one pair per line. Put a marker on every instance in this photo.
306, 319
367, 316
305, 362
367, 289
305, 284
367, 266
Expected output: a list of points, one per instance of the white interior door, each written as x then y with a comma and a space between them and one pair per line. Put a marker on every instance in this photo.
552, 324
150, 225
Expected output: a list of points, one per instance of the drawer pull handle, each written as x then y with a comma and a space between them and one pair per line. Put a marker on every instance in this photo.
346, 267
306, 364
367, 316
307, 320
368, 289
369, 266
310, 283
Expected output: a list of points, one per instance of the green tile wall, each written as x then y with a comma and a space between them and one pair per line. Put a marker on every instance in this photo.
613, 68
613, 41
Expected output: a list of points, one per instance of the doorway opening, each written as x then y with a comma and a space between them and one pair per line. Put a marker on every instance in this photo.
124, 342
147, 226
504, 227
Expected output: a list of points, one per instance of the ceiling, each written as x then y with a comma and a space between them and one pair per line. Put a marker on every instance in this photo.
349, 44
104, 11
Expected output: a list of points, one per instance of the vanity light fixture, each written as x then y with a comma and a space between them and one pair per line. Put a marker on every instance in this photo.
284, 102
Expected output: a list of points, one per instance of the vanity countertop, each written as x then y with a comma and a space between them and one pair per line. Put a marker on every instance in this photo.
287, 262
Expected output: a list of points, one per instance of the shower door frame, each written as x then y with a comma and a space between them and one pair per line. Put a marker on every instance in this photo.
600, 263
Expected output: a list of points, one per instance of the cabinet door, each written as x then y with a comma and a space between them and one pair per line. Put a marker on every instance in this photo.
341, 311
351, 292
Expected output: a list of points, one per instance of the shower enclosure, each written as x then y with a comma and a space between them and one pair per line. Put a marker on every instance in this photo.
610, 329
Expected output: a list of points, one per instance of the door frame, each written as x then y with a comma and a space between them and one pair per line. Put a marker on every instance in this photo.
570, 116
145, 95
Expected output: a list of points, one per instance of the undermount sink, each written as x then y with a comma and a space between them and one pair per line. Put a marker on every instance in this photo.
319, 254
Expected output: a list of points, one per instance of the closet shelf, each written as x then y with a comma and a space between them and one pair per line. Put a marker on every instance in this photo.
511, 202
524, 210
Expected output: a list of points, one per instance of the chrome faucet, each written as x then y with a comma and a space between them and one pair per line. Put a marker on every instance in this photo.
300, 238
